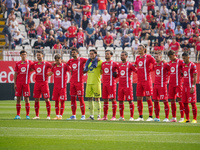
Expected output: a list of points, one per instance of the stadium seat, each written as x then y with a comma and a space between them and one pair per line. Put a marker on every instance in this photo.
99, 43
48, 57
128, 49
66, 57
156, 8
89, 48
110, 48
18, 48
165, 21
33, 41
37, 22
117, 43
27, 47
84, 55
21, 27
101, 48
145, 42
144, 9
30, 56
83, 50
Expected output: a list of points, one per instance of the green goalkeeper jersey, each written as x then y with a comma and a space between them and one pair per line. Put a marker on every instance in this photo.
94, 75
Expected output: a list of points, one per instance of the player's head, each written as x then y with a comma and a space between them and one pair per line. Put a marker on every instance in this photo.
75, 52
171, 55
23, 54
186, 57
158, 56
39, 55
124, 55
108, 54
141, 49
57, 58
93, 54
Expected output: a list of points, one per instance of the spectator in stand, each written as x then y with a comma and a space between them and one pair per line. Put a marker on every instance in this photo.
185, 47
17, 39
125, 30
185, 23
102, 5
42, 10
169, 32
110, 3
146, 32
27, 16
40, 28
140, 16
65, 24
198, 13
90, 31
24, 10
57, 47
151, 39
179, 39
80, 37
108, 40
156, 47
122, 15
113, 20
181, 18
164, 12
174, 7
52, 11
102, 32
197, 48
191, 16
71, 31
137, 32
61, 38
10, 4
92, 21
196, 30
174, 18
161, 26
160, 38
158, 16
113, 10
153, 25
195, 23
51, 40
125, 41
150, 6
29, 24
134, 24
48, 25
38, 45
32, 33
120, 7
188, 32
134, 46
179, 31
78, 15
11, 15
56, 24
58, 3
149, 17
190, 6
87, 9
94, 5
44, 37
137, 6
74, 44
130, 17
96, 16
7, 33
192, 41
35, 11
175, 46
196, 4
106, 16
113, 31
14, 21
84, 22
170, 24
101, 23
166, 47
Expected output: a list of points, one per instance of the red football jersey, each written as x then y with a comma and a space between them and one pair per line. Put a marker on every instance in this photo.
188, 71
108, 39
143, 64
188, 32
197, 44
149, 18
168, 32
60, 75
101, 23
156, 48
41, 69
137, 31
72, 31
150, 7
88, 14
108, 67
57, 46
77, 67
134, 24
80, 37
175, 72
125, 70
23, 68
161, 73
102, 4
130, 16
174, 46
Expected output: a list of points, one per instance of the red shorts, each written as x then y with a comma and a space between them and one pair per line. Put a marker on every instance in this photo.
76, 89
109, 92
187, 97
41, 87
59, 94
125, 92
144, 89
174, 91
160, 93
24, 87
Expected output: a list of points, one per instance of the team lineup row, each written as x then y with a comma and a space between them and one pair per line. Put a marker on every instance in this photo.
180, 72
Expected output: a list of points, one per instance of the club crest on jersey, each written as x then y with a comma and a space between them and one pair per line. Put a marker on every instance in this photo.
106, 70
91, 68
74, 66
172, 69
23, 69
39, 70
157, 71
122, 72
140, 63
57, 72
185, 73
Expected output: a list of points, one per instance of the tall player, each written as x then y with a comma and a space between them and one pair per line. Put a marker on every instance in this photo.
144, 84
93, 86
108, 70
161, 69
41, 84
21, 83
189, 88
125, 88
175, 85
59, 91
76, 83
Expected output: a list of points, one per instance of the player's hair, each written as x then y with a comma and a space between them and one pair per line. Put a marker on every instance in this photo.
125, 52
185, 54
75, 49
22, 51
144, 47
40, 52
93, 50
171, 52
57, 56
111, 53
158, 53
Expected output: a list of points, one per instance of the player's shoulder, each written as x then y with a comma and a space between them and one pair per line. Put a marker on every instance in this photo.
193, 65
18, 62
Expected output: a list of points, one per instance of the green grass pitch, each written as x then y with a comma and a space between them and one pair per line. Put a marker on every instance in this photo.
93, 135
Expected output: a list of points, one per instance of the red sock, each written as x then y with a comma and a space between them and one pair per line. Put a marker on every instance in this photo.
140, 107
166, 107
57, 107
187, 111
27, 105
82, 104
194, 110
150, 106
48, 106
114, 108
62, 107
73, 105
18, 107
37, 106
105, 108
173, 107
131, 106
156, 108
121, 109
181, 109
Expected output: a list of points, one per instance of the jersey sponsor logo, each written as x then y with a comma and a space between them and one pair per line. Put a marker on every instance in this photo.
140, 63
23, 69
172, 69
185, 73
62, 97
57, 72
39, 70
122, 73
91, 68
74, 66
147, 93
161, 96
106, 70
79, 92
129, 97
157, 71
111, 96
189, 99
